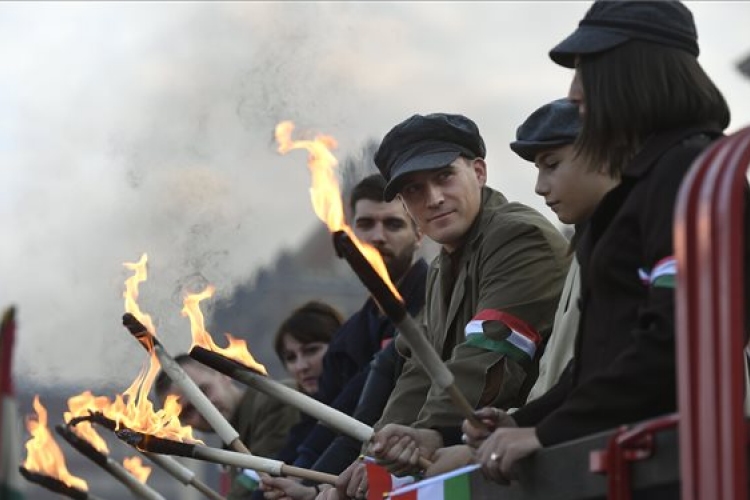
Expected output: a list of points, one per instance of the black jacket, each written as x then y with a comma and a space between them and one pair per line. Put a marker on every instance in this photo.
345, 367
381, 378
623, 369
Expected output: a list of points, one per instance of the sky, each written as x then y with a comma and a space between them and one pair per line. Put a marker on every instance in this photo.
147, 127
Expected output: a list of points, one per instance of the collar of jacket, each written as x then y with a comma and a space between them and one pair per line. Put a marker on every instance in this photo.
491, 199
411, 286
659, 143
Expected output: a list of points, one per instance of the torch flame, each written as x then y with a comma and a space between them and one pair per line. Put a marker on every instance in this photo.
237, 349
325, 191
81, 405
135, 466
131, 292
132, 408
43, 455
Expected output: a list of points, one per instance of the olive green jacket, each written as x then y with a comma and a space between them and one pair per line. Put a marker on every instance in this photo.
513, 264
263, 423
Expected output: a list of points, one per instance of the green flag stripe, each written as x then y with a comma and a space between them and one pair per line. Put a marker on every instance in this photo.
457, 488
501, 346
665, 281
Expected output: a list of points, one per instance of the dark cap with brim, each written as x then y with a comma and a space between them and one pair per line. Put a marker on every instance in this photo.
553, 125
426, 142
610, 23
428, 161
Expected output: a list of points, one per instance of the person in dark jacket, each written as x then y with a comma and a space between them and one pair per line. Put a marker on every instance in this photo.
388, 227
302, 341
648, 111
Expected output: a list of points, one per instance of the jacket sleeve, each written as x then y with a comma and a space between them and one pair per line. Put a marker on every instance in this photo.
270, 421
626, 390
519, 277
407, 397
385, 369
320, 436
533, 412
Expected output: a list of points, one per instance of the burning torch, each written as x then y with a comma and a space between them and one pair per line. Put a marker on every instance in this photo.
104, 461
45, 462
366, 261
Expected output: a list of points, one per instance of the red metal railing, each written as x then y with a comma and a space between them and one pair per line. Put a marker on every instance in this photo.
709, 245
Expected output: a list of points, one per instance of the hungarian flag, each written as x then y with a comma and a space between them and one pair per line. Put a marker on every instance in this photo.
454, 485
10, 434
380, 482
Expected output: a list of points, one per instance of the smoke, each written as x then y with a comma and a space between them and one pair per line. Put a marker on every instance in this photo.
147, 127
158, 142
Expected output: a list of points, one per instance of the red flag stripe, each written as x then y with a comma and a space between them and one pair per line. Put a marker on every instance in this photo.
511, 322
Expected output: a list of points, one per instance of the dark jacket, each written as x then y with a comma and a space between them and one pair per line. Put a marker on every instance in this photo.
345, 365
623, 368
381, 378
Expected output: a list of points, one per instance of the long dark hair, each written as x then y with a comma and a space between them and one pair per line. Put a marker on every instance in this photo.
637, 89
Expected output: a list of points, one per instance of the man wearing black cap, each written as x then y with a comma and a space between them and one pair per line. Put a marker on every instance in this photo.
492, 291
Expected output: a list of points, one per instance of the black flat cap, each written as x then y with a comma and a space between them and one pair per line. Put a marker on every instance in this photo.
426, 142
554, 124
609, 23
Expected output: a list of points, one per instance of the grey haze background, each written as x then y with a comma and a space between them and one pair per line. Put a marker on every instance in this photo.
147, 127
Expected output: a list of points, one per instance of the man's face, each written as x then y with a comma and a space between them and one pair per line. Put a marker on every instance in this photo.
445, 201
387, 227
216, 387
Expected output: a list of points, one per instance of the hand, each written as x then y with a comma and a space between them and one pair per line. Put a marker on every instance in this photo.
493, 418
450, 458
283, 488
398, 447
328, 493
352, 483
503, 449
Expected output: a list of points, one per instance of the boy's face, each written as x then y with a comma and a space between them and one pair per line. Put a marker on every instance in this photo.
570, 189
445, 201
216, 387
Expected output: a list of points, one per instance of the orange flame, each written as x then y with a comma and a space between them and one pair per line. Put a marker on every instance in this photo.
43, 455
237, 349
79, 406
135, 466
131, 292
132, 408
325, 191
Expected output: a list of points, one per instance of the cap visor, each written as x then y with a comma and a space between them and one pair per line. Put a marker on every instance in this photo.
529, 149
419, 163
585, 40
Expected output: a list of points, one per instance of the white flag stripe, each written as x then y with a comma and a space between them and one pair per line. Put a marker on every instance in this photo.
435, 480
668, 267
435, 491
474, 327
522, 342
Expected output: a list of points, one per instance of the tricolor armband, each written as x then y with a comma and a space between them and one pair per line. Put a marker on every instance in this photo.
663, 275
520, 344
